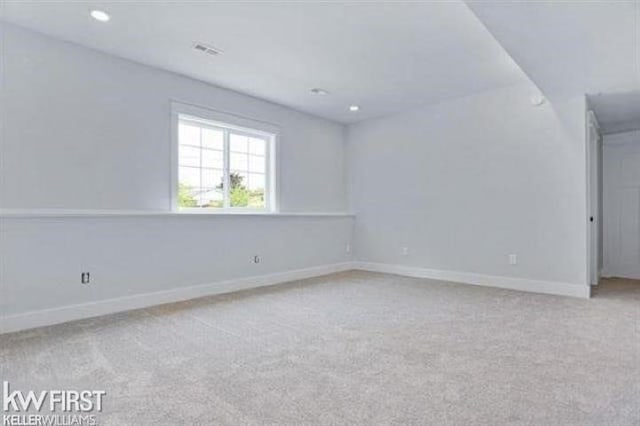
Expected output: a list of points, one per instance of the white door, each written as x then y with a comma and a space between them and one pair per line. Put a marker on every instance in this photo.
622, 205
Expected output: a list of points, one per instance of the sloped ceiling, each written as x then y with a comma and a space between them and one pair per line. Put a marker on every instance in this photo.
569, 48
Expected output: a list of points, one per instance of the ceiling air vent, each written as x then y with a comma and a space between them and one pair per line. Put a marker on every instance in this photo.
201, 47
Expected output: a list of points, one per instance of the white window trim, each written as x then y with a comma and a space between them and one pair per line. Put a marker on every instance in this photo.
239, 124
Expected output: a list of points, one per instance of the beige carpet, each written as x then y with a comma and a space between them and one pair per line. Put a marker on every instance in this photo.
352, 348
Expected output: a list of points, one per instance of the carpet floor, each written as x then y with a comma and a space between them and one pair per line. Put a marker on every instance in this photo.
351, 348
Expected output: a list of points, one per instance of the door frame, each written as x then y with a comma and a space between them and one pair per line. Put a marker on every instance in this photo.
594, 199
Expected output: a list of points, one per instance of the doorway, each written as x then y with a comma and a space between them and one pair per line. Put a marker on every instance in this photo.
613, 164
621, 204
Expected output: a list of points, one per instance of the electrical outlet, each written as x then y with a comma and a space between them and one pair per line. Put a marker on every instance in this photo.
405, 251
85, 278
348, 249
256, 259
513, 259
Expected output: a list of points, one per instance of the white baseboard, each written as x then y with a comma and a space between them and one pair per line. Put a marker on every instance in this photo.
59, 315
63, 314
521, 284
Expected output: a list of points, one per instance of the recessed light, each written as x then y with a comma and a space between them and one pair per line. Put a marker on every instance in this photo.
100, 15
354, 108
318, 91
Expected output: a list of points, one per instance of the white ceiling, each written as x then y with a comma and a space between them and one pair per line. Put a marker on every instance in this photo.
569, 48
385, 57
617, 112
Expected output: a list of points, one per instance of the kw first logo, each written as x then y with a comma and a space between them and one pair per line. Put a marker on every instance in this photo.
15, 405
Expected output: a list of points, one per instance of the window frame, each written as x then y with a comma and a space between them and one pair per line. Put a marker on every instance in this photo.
226, 122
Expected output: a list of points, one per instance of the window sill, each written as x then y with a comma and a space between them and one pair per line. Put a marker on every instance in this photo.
63, 213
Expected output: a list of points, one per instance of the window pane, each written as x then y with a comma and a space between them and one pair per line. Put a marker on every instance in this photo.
239, 194
211, 197
187, 197
213, 139
189, 176
188, 187
256, 199
238, 161
188, 134
212, 158
256, 181
238, 143
256, 190
257, 146
189, 156
212, 178
256, 164
238, 179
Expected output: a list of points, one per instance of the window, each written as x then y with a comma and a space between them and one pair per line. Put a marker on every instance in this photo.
222, 165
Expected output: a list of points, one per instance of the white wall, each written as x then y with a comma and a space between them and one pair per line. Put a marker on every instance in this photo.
84, 130
88, 130
465, 183
42, 259
621, 205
